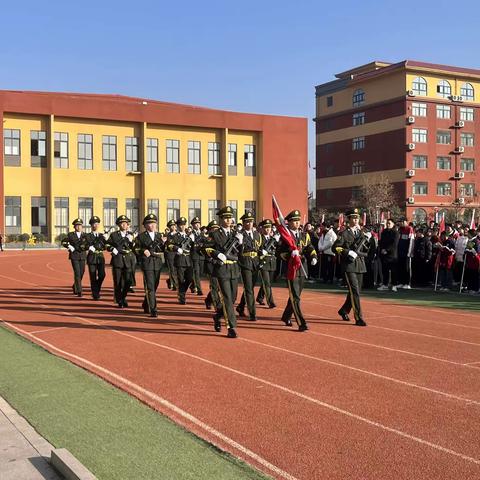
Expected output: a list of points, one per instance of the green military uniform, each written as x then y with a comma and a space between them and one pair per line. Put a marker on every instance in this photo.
97, 243
222, 249
76, 242
170, 259
248, 261
267, 266
121, 245
352, 245
213, 296
197, 257
150, 264
304, 249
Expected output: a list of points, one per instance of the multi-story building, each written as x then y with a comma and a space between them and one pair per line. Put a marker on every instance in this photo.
75, 155
418, 123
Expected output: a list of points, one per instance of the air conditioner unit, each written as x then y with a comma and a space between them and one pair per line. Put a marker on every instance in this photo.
460, 124
459, 149
459, 175
410, 93
456, 98
410, 119
411, 200
411, 146
461, 201
411, 173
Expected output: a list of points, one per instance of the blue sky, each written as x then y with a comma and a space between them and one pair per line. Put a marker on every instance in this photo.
254, 56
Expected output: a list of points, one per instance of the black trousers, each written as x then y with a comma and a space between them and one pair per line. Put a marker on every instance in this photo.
97, 276
328, 261
295, 288
354, 284
213, 296
78, 271
172, 274
404, 271
420, 271
184, 279
228, 295
265, 291
249, 278
389, 267
151, 279
122, 281
197, 274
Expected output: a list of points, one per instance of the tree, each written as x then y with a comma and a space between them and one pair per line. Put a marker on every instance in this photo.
24, 238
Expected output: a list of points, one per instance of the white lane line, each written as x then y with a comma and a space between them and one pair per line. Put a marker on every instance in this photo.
165, 403
35, 332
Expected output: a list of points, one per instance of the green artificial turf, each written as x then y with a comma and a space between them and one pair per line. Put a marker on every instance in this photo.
111, 433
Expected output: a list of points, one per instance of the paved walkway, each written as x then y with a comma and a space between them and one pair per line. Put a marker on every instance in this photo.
22, 449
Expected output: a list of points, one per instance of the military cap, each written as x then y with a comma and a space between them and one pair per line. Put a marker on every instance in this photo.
170, 223
182, 221
225, 212
195, 220
93, 220
213, 224
354, 212
150, 218
77, 221
122, 218
247, 216
294, 215
265, 223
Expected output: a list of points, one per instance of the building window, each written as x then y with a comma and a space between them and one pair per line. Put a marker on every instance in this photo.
444, 188
419, 109
234, 205
153, 206
329, 101
329, 170
109, 152
358, 97
11, 148
13, 215
173, 157
133, 212
358, 143
252, 206
85, 211
467, 139
466, 114
419, 188
194, 157
358, 118
131, 154
61, 215
419, 161
467, 92
232, 158
214, 158
173, 209
467, 189
467, 164
152, 155
213, 208
443, 111
444, 89
38, 148
85, 151
357, 167
109, 212
356, 192
194, 209
419, 216
60, 149
444, 163
419, 135
444, 137
419, 86
39, 215
250, 161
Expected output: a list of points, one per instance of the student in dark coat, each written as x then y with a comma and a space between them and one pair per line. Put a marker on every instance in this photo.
388, 251
422, 254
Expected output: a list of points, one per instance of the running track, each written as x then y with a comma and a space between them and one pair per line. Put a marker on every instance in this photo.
399, 399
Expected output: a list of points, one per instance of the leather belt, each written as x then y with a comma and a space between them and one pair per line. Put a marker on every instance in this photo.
250, 254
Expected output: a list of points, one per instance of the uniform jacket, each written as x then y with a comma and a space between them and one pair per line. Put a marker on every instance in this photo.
305, 248
217, 243
348, 241
268, 262
198, 241
126, 256
98, 242
155, 247
248, 251
176, 241
80, 245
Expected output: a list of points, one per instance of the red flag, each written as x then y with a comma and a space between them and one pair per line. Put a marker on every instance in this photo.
364, 218
441, 225
294, 263
382, 220
341, 221
472, 222
323, 218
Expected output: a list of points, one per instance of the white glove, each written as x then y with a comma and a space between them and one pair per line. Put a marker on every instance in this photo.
222, 257
239, 237
72, 249
115, 251
352, 254
295, 253
264, 252
192, 237
179, 251
92, 248
277, 237
368, 235
130, 237
314, 261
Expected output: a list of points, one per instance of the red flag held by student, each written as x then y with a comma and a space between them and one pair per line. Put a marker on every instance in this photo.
441, 225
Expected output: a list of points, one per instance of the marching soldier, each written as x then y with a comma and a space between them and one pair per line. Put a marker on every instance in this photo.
95, 259
181, 244
197, 257
149, 246
250, 242
352, 245
268, 262
76, 243
304, 249
170, 257
222, 248
120, 244
213, 297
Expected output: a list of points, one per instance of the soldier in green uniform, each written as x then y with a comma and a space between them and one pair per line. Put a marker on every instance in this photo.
76, 243
353, 245
196, 254
95, 260
304, 249
149, 247
170, 257
181, 244
213, 297
268, 262
120, 244
248, 260
222, 248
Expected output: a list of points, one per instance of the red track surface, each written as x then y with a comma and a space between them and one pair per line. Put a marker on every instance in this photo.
399, 399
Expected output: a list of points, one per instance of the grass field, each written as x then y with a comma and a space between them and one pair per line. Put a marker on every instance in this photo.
112, 433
